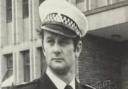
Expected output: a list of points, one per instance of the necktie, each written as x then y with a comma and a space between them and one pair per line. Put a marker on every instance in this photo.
68, 87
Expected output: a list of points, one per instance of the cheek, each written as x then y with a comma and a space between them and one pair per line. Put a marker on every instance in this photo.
45, 47
47, 55
46, 51
70, 54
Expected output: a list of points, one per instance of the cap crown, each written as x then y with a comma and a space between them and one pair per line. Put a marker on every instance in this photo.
63, 13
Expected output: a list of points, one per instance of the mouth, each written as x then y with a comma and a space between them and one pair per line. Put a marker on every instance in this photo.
58, 59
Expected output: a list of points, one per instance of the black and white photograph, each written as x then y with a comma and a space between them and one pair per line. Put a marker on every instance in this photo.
63, 44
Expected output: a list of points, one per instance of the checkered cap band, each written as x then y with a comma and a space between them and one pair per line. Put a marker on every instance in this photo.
63, 20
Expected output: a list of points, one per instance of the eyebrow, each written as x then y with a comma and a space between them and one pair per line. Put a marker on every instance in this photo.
49, 37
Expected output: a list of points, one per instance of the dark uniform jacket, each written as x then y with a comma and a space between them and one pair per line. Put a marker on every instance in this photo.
45, 83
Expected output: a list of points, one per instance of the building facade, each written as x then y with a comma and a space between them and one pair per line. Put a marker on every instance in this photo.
103, 62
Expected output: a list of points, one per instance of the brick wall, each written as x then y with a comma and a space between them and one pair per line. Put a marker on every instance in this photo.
100, 60
124, 67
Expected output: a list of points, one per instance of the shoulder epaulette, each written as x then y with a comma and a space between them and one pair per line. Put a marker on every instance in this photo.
88, 86
29, 85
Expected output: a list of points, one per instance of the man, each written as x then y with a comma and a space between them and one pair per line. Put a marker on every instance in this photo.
63, 25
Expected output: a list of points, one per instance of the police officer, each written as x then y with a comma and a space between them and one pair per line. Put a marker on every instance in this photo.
63, 26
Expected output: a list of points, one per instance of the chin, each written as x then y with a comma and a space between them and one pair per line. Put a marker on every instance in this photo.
60, 70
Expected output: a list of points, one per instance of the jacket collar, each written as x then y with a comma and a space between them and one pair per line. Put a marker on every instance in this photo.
46, 83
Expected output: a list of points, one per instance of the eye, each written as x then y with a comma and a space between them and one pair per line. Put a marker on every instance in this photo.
50, 41
64, 42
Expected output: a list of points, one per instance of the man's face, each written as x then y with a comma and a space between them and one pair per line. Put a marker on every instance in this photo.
59, 52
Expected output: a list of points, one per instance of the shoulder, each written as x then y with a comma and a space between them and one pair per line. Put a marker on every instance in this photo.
82, 86
31, 85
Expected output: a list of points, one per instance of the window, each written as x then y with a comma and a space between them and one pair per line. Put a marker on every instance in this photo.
94, 4
116, 1
40, 1
79, 1
69, 0
91, 4
25, 9
9, 66
88, 4
26, 62
42, 60
81, 5
8, 11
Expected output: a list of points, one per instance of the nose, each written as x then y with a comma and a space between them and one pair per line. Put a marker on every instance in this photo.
56, 49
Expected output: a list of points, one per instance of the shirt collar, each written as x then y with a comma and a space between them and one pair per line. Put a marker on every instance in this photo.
73, 83
60, 84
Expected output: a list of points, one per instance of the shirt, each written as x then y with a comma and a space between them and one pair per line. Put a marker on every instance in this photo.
60, 84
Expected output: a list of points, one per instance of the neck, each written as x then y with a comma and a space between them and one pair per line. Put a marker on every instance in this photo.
67, 78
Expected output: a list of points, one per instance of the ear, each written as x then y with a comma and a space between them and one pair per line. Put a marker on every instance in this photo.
78, 48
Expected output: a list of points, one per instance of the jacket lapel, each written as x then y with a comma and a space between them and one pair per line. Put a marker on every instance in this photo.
46, 83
